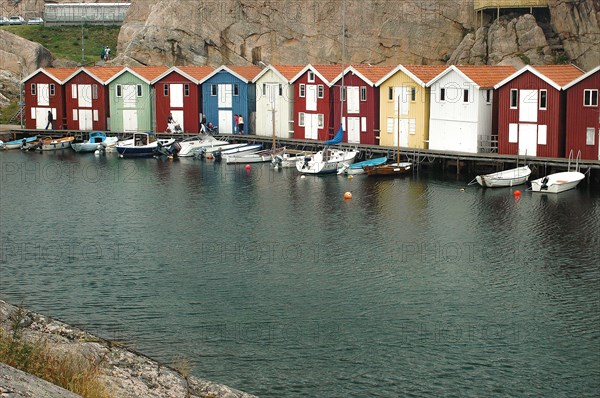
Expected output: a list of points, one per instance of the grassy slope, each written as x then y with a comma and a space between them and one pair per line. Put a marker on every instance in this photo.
65, 42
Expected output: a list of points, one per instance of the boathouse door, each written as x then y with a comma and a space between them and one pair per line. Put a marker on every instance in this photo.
43, 95
178, 117
225, 122
130, 120
354, 130
225, 96
311, 125
41, 117
311, 97
528, 139
85, 119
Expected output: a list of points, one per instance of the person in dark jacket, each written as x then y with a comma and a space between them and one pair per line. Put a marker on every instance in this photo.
50, 121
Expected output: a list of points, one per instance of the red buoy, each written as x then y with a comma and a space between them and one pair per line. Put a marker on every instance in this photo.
247, 167
517, 193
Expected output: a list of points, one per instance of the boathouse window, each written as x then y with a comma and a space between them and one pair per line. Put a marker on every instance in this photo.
301, 119
443, 94
74, 114
74, 91
280, 90
488, 96
363, 93
390, 93
186, 90
166, 90
413, 94
236, 90
320, 91
343, 93
139, 90
213, 90
543, 99
320, 120
119, 90
94, 91
302, 90
466, 95
311, 76
264, 92
514, 97
52, 90
590, 135
590, 97
33, 89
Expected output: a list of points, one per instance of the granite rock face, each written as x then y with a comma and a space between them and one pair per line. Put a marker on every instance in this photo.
173, 32
127, 373
17, 384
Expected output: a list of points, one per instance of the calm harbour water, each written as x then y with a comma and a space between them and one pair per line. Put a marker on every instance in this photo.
277, 286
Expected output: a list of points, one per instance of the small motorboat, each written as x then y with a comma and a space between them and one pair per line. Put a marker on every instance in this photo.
251, 148
51, 144
358, 168
16, 144
97, 140
286, 160
257, 157
557, 182
391, 169
192, 146
141, 145
506, 178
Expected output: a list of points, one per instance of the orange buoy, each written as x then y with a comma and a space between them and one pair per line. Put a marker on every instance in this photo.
517, 193
348, 195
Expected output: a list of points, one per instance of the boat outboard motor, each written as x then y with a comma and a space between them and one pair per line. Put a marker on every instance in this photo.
306, 160
277, 162
24, 143
544, 183
200, 153
218, 156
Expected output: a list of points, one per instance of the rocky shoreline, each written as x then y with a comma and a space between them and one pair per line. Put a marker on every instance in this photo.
127, 373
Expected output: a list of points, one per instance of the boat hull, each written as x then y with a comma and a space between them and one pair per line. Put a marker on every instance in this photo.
91, 147
328, 164
507, 178
56, 144
557, 182
393, 169
191, 148
129, 150
17, 144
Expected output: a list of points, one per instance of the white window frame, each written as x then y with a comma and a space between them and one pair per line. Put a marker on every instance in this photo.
94, 91
590, 136
320, 120
213, 90
320, 91
301, 119
52, 89
542, 134
118, 90
74, 91
390, 93
95, 115
166, 90
311, 76
186, 89
466, 93
74, 114
139, 91
33, 89
591, 102
302, 91
442, 94
488, 96
236, 90
513, 133
363, 124
413, 94
363, 93
545, 96
342, 93
516, 103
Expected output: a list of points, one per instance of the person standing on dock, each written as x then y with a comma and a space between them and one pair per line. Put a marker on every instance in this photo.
50, 121
236, 120
240, 124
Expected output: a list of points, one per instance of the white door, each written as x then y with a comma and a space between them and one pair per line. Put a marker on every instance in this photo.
225, 97
84, 96
353, 130
528, 105
311, 126
129, 96
85, 119
311, 97
352, 100
404, 132
41, 117
176, 96
528, 139
130, 120
225, 122
178, 117
43, 94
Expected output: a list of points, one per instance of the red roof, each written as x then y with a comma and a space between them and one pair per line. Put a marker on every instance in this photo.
329, 71
426, 72
149, 72
248, 72
289, 71
373, 72
103, 73
560, 74
60, 73
486, 75
197, 72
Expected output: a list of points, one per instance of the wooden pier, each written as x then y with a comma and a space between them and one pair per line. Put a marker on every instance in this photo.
460, 162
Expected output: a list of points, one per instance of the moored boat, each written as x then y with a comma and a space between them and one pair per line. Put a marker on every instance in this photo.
52, 144
251, 148
506, 178
391, 169
266, 155
97, 140
326, 161
358, 168
286, 160
557, 182
141, 145
192, 146
16, 144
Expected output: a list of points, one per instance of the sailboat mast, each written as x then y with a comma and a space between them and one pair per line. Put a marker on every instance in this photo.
398, 116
